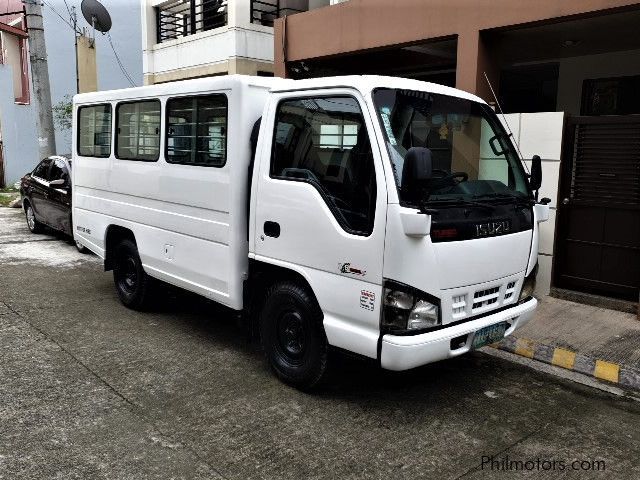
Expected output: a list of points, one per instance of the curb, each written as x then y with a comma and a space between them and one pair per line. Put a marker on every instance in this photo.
574, 361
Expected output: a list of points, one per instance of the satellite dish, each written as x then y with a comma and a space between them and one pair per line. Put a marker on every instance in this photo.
96, 15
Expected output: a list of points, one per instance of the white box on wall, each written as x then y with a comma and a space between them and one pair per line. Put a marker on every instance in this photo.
541, 134
511, 122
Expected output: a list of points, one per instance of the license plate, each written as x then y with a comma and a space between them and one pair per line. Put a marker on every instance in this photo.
489, 335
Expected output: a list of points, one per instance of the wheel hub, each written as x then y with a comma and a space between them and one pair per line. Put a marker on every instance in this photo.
291, 334
129, 274
31, 219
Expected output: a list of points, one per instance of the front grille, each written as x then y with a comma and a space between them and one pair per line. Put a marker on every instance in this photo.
469, 302
510, 291
459, 306
484, 298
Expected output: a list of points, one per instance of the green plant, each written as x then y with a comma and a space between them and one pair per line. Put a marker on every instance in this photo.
6, 199
63, 112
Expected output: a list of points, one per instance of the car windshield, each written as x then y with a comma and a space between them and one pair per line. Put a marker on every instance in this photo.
473, 159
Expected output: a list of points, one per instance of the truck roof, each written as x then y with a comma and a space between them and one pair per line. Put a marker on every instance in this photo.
367, 83
363, 83
195, 85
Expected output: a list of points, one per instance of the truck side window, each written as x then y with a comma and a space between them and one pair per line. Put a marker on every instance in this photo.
197, 130
324, 141
138, 126
94, 131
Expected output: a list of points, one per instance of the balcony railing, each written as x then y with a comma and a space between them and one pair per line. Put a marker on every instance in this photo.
264, 12
187, 17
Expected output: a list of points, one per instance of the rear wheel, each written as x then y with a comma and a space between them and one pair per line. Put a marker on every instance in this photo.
81, 248
34, 225
133, 285
292, 335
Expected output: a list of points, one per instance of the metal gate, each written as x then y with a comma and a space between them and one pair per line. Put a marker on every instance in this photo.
598, 237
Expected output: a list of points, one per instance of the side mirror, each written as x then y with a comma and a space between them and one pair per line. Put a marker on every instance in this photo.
535, 180
417, 168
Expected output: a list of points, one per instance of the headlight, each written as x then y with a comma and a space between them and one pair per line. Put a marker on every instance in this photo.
529, 284
423, 315
398, 299
407, 309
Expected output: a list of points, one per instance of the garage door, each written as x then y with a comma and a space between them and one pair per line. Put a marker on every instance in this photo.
598, 240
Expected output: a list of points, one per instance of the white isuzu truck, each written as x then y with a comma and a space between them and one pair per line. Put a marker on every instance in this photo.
387, 217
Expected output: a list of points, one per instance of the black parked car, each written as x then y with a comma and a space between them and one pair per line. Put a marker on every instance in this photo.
46, 196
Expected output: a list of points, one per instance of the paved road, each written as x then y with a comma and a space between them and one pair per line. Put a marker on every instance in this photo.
89, 389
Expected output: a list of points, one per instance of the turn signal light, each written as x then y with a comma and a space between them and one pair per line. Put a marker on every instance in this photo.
444, 233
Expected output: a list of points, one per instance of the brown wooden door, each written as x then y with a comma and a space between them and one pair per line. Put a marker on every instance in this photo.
598, 237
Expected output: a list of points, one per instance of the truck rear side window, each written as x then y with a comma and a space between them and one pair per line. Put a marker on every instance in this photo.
323, 141
138, 126
94, 131
197, 130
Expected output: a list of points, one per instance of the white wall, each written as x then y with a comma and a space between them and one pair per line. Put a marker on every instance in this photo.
18, 124
541, 134
574, 70
210, 47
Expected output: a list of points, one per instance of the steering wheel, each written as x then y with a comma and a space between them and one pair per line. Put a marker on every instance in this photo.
463, 176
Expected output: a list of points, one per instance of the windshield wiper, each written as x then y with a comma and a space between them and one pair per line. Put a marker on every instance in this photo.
454, 202
505, 196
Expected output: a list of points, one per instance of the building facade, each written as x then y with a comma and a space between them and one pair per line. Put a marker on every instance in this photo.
195, 38
18, 119
566, 73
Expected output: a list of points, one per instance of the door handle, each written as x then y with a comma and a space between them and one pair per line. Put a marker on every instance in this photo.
565, 201
271, 229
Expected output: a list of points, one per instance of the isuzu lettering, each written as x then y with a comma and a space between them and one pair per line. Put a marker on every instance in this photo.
388, 217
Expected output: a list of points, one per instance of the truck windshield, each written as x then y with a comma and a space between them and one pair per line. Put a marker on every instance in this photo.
473, 159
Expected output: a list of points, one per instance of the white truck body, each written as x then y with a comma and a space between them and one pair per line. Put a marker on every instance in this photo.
204, 228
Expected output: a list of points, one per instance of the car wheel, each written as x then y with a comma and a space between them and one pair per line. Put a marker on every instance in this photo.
133, 285
81, 248
34, 225
292, 335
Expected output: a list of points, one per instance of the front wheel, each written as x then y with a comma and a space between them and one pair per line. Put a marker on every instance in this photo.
133, 285
292, 335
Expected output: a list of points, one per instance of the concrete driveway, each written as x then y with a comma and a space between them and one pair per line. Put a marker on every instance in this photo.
89, 389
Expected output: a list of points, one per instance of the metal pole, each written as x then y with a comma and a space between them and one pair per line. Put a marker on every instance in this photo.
75, 37
40, 79
192, 12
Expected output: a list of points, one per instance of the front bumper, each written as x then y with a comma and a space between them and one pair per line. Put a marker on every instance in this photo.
405, 352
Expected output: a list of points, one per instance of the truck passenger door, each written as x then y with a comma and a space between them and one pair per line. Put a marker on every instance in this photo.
321, 206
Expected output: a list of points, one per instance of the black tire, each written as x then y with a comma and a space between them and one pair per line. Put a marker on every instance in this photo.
34, 225
133, 285
292, 335
81, 248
